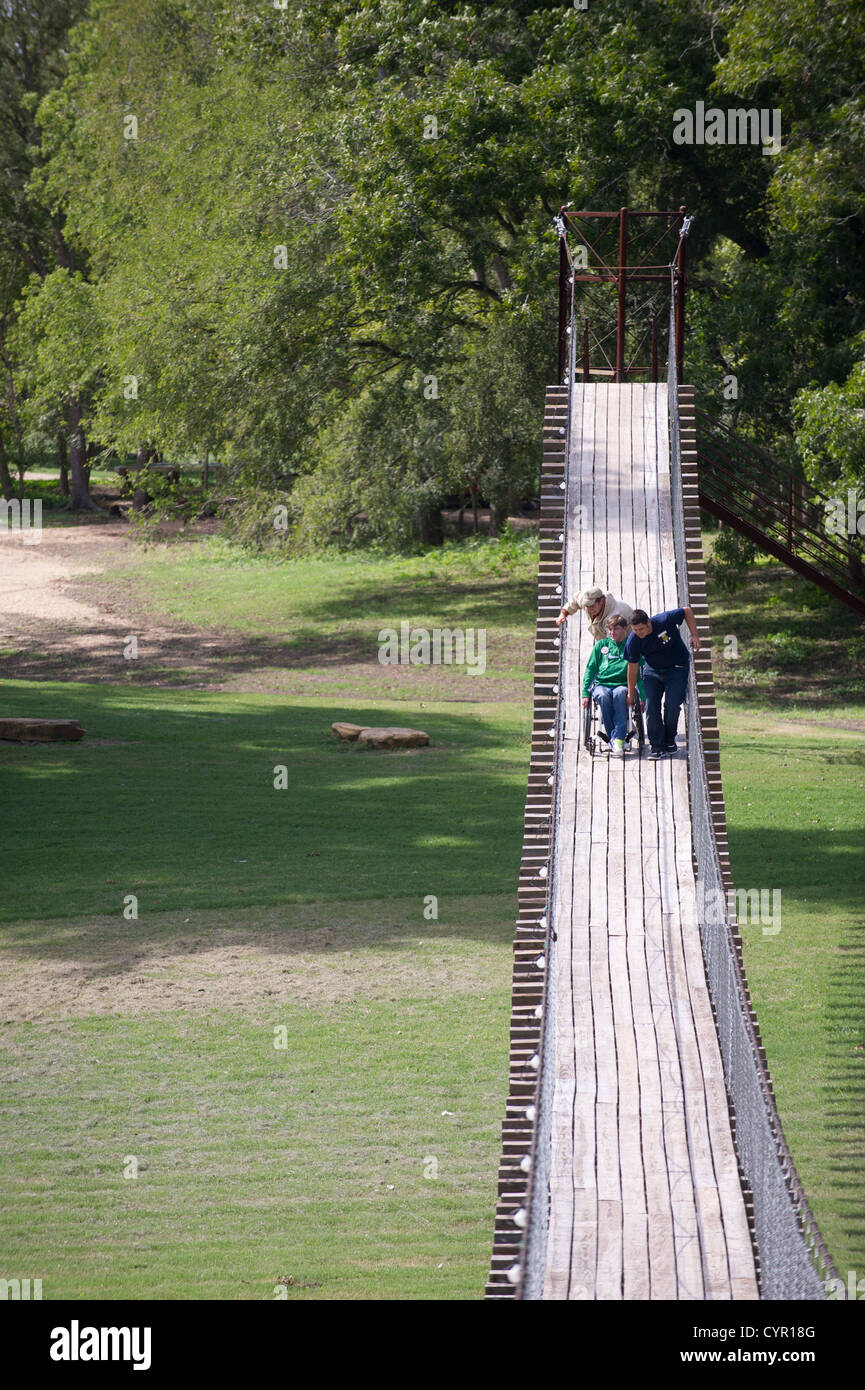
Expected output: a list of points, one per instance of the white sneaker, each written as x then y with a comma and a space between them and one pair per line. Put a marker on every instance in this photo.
618, 748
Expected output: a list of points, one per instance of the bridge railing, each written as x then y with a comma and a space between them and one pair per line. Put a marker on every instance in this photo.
748, 489
792, 1259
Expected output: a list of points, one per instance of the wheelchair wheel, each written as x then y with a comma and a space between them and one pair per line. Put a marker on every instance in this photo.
639, 724
588, 740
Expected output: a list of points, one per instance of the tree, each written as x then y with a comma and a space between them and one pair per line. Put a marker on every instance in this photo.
33, 37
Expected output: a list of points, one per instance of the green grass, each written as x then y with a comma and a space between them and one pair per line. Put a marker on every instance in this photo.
341, 598
48, 489
796, 822
263, 1165
309, 1165
171, 797
794, 645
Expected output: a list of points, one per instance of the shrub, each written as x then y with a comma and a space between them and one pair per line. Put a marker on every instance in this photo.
787, 650
732, 557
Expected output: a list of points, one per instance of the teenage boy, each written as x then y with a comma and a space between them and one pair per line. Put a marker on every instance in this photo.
606, 682
665, 673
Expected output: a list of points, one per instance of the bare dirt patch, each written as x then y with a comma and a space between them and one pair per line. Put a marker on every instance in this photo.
53, 627
318, 954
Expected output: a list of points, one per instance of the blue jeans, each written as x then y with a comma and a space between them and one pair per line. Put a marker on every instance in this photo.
672, 685
613, 703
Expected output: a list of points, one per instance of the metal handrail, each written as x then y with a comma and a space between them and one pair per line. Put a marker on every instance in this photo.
735, 474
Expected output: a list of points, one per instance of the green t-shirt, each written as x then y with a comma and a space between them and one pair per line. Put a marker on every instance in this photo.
607, 665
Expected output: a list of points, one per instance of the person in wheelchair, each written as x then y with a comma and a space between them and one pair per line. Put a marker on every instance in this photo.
606, 682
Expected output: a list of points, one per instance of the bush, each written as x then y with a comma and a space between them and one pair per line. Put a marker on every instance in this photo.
262, 520
169, 501
732, 557
787, 650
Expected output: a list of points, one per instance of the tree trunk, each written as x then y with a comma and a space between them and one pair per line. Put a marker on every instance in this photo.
79, 490
500, 510
431, 525
63, 460
5, 476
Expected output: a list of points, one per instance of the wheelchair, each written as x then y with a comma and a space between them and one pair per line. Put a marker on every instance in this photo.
594, 739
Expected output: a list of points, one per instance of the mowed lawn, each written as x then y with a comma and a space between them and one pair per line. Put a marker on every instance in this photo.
305, 1066
795, 796
178, 1156
172, 797
356, 1159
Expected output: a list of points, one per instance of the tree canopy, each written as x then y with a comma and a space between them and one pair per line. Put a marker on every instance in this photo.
318, 241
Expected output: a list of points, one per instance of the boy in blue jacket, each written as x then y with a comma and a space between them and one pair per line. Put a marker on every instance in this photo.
657, 643
606, 681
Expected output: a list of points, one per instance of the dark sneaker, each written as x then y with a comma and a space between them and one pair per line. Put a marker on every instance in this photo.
656, 754
671, 748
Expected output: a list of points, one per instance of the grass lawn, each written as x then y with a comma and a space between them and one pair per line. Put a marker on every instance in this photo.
308, 1167
796, 821
178, 1155
321, 617
171, 797
213, 584
360, 1161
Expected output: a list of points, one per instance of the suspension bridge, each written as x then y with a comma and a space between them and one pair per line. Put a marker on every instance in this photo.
642, 1154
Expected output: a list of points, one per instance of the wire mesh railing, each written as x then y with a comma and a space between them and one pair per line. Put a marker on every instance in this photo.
793, 1262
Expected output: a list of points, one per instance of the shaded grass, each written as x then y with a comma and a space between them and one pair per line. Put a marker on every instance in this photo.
172, 798
794, 645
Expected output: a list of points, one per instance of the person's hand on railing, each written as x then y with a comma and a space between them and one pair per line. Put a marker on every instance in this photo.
563, 617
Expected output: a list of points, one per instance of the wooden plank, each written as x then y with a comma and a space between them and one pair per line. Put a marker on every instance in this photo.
713, 1250
645, 1197
584, 1046
562, 1137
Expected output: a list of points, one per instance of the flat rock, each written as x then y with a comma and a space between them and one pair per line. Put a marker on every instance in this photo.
393, 737
41, 730
346, 731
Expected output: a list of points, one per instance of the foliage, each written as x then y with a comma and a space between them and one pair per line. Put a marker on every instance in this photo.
832, 430
731, 558
292, 220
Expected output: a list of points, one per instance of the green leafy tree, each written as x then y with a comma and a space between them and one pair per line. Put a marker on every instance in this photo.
33, 42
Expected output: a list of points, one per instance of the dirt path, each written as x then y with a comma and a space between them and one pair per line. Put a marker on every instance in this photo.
54, 628
49, 632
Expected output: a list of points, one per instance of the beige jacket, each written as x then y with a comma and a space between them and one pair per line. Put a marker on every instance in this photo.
611, 605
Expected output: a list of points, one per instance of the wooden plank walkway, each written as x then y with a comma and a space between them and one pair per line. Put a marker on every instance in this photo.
645, 1196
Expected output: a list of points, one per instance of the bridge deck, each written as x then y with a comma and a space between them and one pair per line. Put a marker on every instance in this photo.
645, 1197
